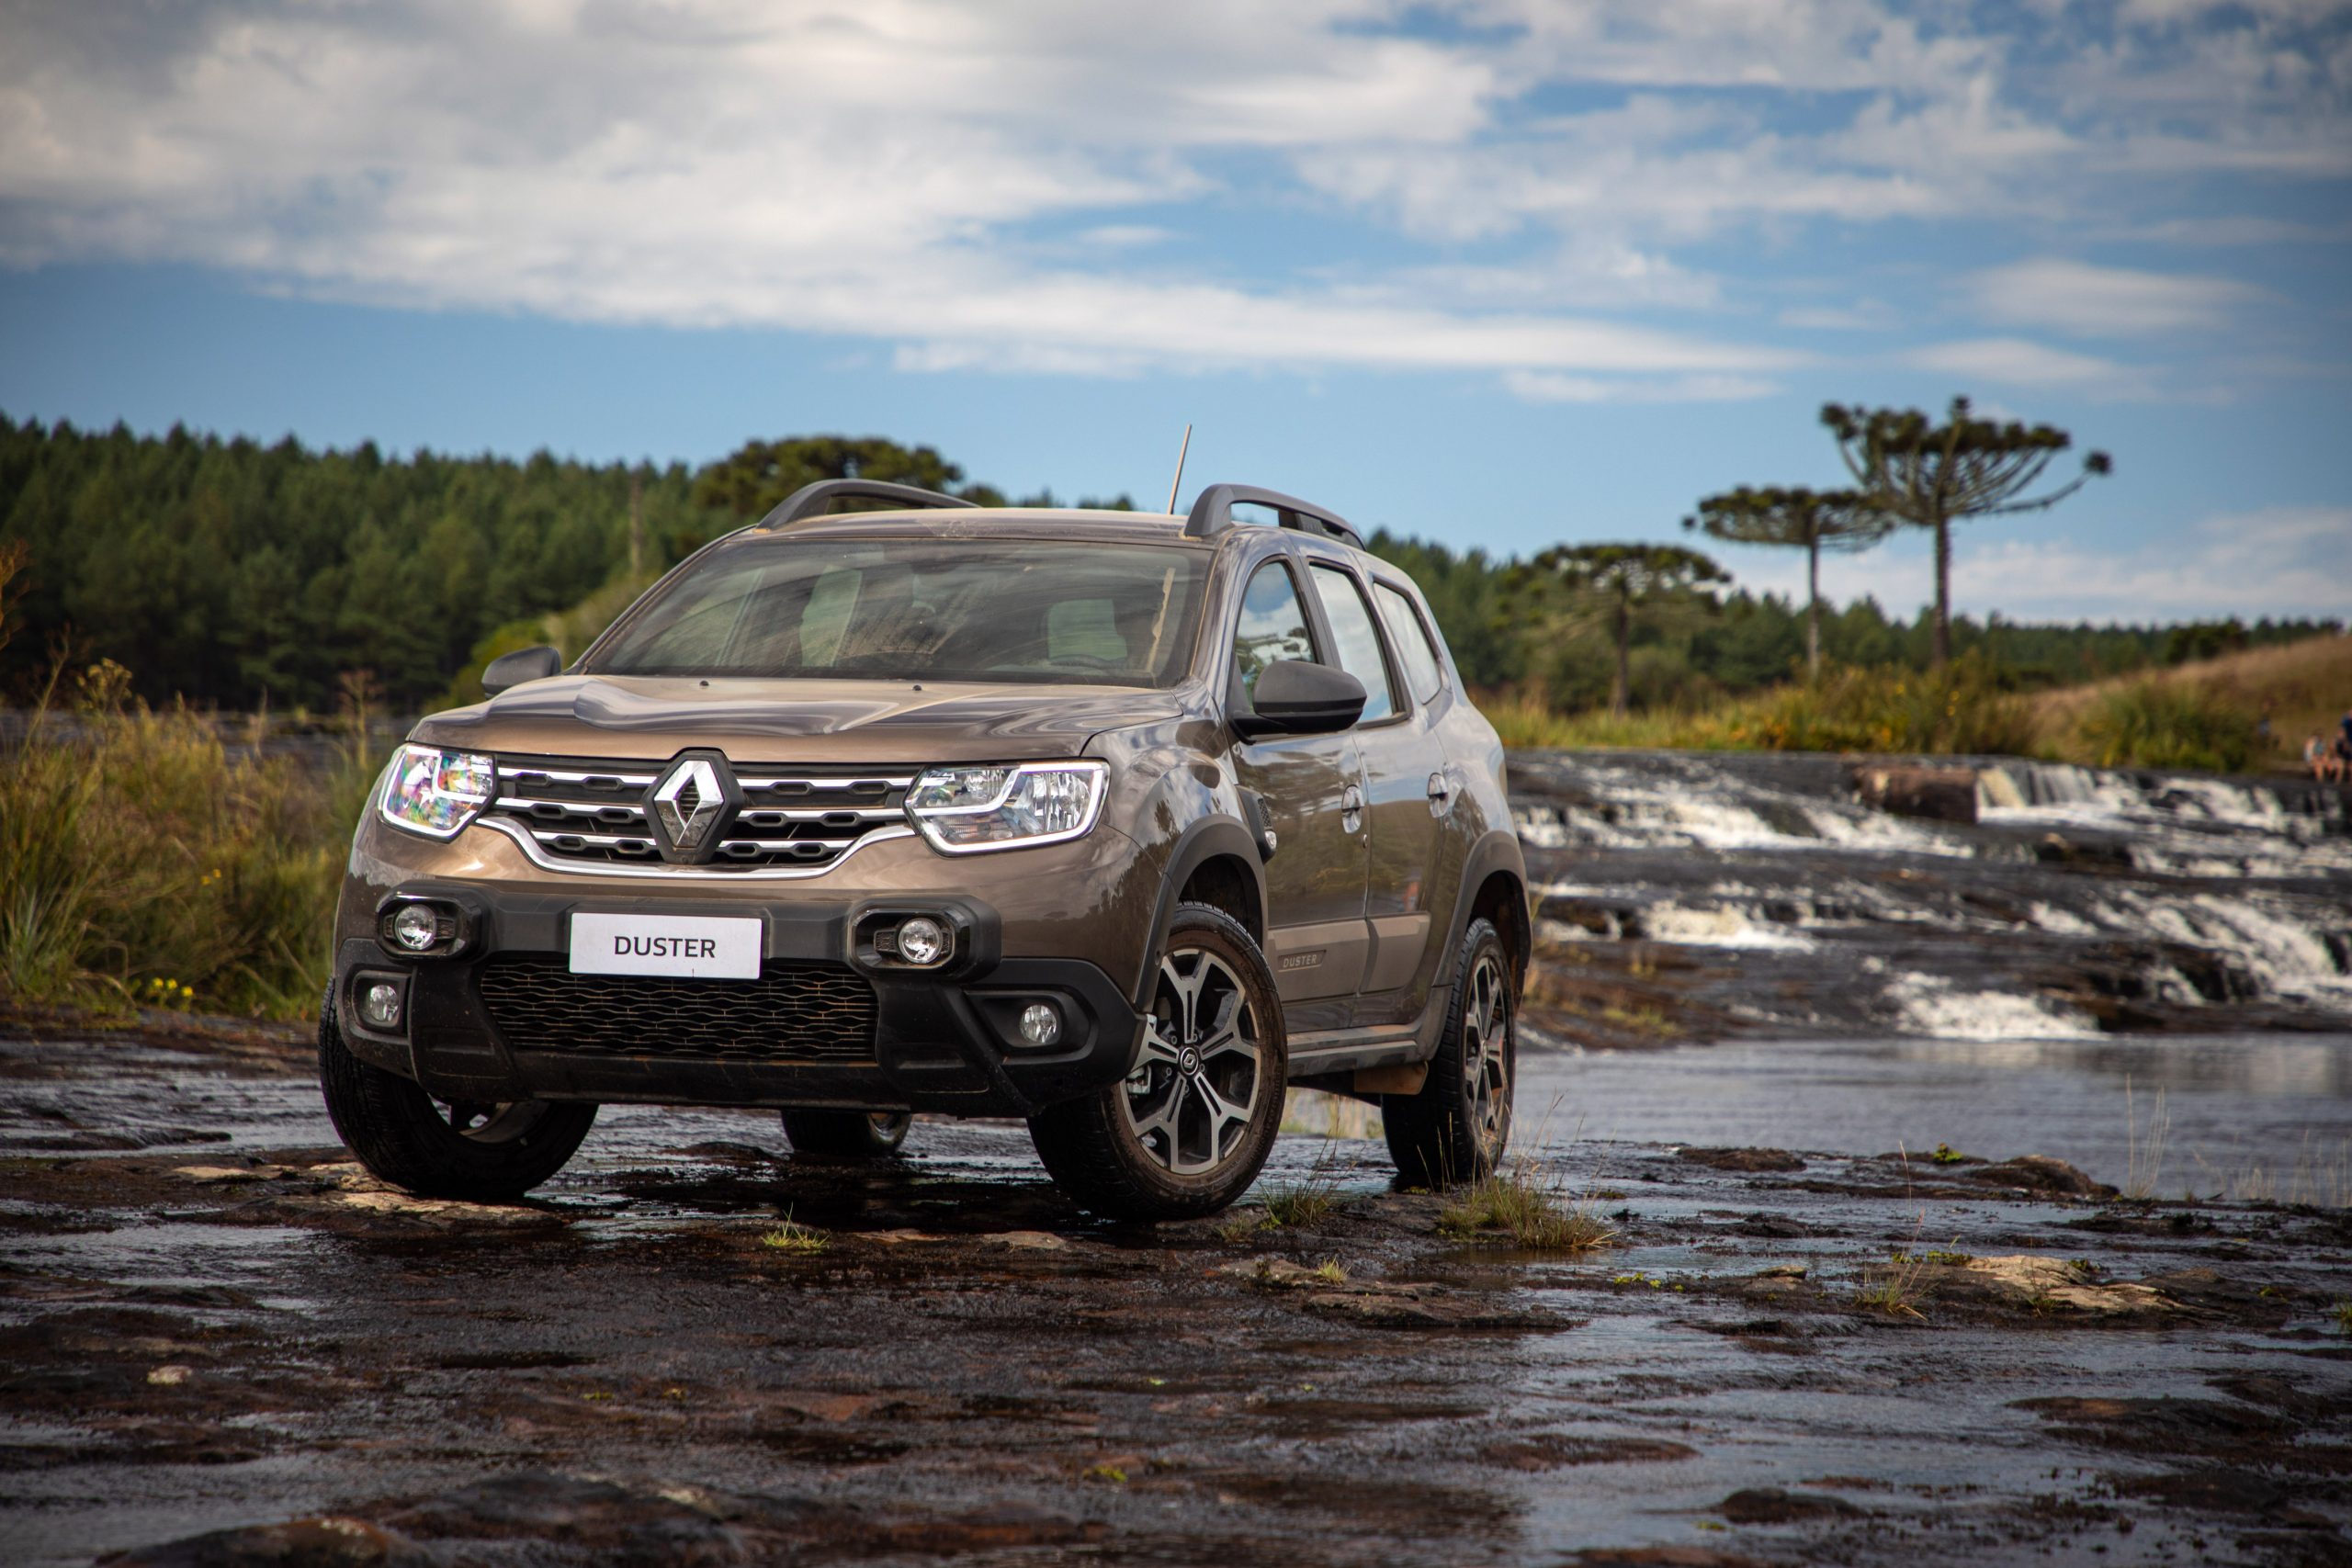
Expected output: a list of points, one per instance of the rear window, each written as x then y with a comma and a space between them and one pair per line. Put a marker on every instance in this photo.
1423, 672
921, 610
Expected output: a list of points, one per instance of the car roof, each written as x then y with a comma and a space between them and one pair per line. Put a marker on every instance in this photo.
1071, 524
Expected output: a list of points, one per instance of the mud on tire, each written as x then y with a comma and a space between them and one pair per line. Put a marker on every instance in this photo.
1457, 1127
1187, 1132
482, 1154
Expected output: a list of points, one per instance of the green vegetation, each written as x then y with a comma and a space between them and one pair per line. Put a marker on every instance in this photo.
1924, 475
1300, 1205
143, 860
241, 576
244, 576
2152, 724
795, 1237
1575, 592
1517, 1205
1898, 1290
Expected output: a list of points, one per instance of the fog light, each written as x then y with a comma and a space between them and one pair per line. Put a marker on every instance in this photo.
380, 1004
414, 927
1040, 1023
922, 941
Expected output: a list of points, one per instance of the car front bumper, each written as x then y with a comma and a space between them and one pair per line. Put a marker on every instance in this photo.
831, 1022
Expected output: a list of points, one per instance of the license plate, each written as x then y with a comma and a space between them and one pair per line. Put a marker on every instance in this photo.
701, 947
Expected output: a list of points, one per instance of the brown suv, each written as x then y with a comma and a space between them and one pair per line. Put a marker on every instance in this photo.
1117, 823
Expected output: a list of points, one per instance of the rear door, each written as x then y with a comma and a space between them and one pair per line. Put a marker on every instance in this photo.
1309, 794
1402, 763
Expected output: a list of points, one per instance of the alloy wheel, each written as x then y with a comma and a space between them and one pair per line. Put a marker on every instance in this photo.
1487, 1054
1195, 1088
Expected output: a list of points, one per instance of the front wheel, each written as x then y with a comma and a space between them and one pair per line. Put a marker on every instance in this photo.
1187, 1130
1457, 1127
486, 1152
846, 1134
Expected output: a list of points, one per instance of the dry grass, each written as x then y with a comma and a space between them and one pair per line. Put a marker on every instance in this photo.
2317, 1179
2198, 714
2143, 1152
2300, 687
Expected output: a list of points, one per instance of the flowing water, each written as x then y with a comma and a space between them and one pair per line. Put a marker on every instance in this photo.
1768, 897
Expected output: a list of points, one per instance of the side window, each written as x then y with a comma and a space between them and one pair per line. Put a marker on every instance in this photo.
1359, 649
1424, 671
1272, 625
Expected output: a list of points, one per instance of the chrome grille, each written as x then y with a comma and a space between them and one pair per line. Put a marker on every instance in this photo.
591, 813
791, 1013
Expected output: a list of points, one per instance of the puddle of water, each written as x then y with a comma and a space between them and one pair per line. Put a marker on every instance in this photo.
2230, 1106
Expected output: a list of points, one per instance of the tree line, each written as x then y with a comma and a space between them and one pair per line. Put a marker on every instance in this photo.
238, 574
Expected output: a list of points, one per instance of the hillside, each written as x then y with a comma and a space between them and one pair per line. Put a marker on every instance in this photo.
2301, 688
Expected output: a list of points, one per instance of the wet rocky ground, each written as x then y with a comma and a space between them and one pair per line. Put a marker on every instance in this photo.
222, 1344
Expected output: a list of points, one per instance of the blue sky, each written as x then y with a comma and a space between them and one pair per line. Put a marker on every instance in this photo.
1496, 272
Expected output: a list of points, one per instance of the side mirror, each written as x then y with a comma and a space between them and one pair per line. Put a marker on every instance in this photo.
509, 670
1294, 698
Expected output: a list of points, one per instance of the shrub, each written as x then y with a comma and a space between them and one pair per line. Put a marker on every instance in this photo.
2159, 723
135, 846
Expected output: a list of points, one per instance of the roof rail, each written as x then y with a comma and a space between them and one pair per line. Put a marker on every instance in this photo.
817, 500
1212, 514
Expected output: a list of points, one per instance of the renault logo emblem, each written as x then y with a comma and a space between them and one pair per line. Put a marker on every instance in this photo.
689, 800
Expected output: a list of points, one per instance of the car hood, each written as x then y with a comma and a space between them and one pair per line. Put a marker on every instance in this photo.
856, 722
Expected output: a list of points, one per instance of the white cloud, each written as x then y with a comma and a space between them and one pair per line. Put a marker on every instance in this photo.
2104, 301
2020, 361
1001, 183
1549, 387
2280, 561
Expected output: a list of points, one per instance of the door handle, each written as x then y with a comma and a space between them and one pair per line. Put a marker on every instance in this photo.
1440, 795
1350, 808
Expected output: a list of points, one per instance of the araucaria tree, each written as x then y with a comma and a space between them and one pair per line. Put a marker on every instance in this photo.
1583, 588
1810, 520
1930, 476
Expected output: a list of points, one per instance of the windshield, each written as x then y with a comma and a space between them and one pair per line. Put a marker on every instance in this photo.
921, 610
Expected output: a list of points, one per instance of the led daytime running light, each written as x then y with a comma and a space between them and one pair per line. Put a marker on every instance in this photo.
967, 810
437, 793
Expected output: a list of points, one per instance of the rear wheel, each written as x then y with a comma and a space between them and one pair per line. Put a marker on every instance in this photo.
1458, 1126
1186, 1132
846, 1134
482, 1152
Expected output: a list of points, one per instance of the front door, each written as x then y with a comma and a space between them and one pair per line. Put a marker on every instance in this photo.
1402, 761
1309, 792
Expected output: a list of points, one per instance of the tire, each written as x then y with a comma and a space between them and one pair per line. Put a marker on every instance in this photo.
1457, 1128
482, 1154
846, 1134
1186, 1132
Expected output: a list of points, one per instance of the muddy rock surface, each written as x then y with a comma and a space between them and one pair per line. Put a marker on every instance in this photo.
221, 1343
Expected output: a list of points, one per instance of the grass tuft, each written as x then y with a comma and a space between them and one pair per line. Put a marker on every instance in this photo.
1899, 1289
1532, 1213
796, 1237
2143, 1159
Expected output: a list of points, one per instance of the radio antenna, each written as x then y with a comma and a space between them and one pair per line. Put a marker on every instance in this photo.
1174, 483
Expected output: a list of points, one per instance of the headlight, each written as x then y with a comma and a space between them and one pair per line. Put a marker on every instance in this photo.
434, 792
965, 810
